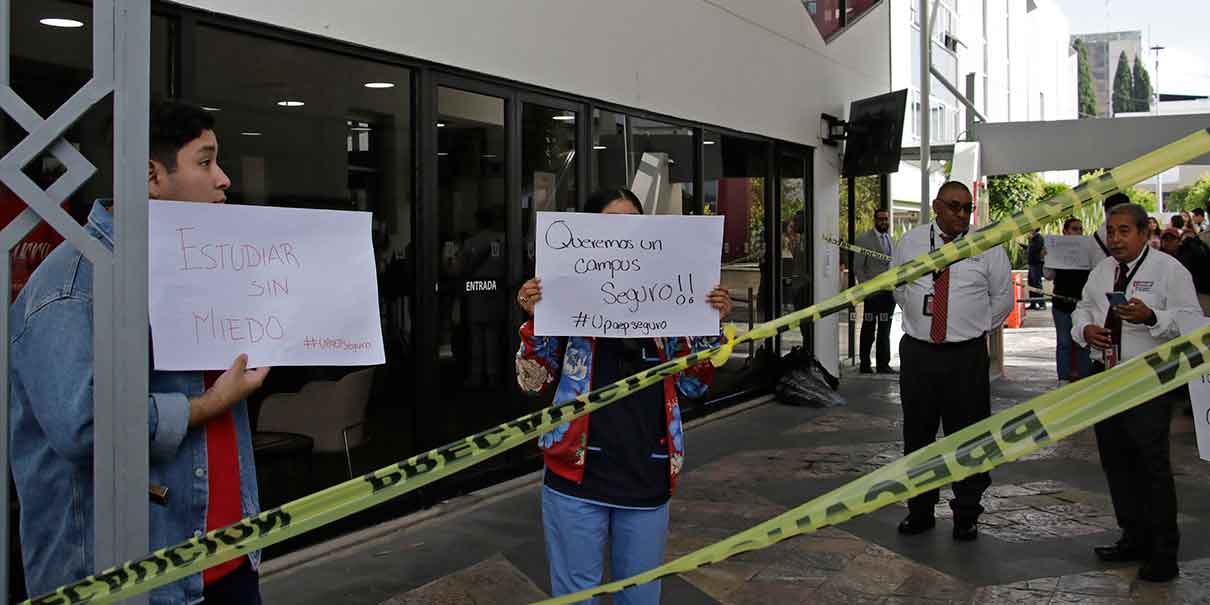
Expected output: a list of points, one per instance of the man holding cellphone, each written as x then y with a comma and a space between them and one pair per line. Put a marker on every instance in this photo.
1129, 306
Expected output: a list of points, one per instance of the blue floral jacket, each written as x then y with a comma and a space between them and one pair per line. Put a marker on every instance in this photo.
542, 359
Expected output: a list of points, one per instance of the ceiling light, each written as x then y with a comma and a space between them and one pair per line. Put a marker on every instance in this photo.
599, 147
290, 103
708, 142
489, 156
67, 23
440, 124
251, 133
360, 129
380, 85
565, 118
205, 108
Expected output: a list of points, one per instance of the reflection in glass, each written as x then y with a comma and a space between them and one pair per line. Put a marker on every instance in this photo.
548, 168
663, 163
795, 245
735, 170
346, 147
474, 300
609, 144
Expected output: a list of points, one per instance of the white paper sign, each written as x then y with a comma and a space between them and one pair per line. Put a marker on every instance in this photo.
627, 276
284, 285
1066, 252
1199, 391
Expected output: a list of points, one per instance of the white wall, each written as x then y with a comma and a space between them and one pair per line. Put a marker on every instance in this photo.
758, 67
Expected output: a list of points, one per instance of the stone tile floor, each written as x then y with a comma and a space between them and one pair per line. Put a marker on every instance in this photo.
1044, 513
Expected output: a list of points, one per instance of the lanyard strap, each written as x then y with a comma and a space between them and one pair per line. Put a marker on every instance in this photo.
1130, 276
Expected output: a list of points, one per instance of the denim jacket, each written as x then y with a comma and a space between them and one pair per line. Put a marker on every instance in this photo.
51, 431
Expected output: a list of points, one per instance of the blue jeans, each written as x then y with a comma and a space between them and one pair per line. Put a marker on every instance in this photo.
577, 532
1067, 348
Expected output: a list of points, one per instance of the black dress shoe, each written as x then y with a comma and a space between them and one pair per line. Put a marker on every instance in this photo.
887, 370
866, 370
1154, 571
912, 525
1119, 553
966, 531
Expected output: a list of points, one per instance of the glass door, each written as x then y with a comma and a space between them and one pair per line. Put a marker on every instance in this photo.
473, 322
550, 165
794, 202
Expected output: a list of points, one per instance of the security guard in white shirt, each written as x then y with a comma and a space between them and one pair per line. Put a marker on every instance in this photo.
1129, 306
944, 375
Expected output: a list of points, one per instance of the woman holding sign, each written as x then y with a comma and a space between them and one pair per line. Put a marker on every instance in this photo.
610, 483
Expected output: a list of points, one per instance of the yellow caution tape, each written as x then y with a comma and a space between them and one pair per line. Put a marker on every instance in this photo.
843, 245
1009, 435
344, 499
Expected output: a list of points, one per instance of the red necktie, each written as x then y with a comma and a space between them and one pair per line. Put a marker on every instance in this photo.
941, 300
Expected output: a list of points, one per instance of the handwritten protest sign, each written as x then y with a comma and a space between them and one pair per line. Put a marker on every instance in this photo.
627, 276
284, 285
1067, 252
1199, 392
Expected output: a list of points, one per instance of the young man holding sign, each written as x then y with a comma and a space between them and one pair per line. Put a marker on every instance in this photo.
1132, 303
200, 443
610, 484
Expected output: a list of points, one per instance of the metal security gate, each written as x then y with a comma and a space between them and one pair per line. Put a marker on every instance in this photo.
121, 71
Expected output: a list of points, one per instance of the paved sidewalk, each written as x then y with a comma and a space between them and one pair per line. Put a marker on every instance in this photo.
1044, 515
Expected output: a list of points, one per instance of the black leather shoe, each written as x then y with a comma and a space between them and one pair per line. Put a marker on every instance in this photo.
887, 370
1159, 572
966, 531
866, 370
1119, 553
912, 525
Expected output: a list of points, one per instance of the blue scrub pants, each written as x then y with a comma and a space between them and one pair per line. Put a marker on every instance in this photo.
577, 533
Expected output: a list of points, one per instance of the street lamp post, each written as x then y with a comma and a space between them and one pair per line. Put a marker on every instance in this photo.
1155, 108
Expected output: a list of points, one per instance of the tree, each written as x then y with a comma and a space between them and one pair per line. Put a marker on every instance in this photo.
1011, 193
1141, 87
868, 192
1087, 96
1196, 196
1123, 86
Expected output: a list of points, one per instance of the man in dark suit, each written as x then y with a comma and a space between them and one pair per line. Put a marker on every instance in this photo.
881, 306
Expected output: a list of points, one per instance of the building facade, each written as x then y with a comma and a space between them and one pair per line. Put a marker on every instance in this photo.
1023, 65
1104, 52
452, 123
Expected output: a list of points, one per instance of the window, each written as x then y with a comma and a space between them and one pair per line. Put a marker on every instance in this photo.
833, 16
663, 165
734, 179
299, 127
609, 150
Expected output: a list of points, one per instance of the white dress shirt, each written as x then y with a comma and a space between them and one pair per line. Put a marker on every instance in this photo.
1161, 282
980, 289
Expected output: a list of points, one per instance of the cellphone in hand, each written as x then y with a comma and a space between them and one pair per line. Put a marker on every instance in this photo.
1116, 298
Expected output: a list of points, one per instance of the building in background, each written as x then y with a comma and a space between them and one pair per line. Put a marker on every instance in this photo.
1024, 70
1104, 52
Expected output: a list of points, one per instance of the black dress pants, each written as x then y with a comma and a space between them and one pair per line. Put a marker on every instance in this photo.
1134, 453
947, 386
879, 308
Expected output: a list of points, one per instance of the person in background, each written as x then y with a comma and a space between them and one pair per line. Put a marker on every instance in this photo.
880, 306
199, 441
1199, 220
609, 475
1177, 222
1194, 256
943, 375
1154, 230
1071, 361
1205, 234
1036, 253
1134, 445
1098, 250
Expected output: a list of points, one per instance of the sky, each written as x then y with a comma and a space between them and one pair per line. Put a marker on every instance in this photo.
1180, 26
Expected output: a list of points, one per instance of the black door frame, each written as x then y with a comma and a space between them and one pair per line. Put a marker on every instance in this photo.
804, 154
